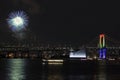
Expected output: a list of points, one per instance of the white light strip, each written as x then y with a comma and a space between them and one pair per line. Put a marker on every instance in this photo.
55, 63
55, 60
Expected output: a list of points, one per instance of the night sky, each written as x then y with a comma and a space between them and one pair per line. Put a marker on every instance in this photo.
73, 21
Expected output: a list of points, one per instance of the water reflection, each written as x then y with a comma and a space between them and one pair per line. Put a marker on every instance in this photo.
52, 72
16, 69
66, 72
80, 77
101, 71
54, 77
26, 69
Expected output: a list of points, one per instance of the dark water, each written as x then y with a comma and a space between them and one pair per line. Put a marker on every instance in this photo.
28, 69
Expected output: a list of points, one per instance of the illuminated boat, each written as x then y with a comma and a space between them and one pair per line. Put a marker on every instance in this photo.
52, 61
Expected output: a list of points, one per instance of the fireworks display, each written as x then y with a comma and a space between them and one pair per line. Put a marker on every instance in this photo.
17, 20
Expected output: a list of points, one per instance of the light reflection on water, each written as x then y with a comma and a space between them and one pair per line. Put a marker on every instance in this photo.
25, 69
102, 71
16, 69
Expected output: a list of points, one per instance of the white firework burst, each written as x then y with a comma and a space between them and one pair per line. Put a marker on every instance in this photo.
17, 20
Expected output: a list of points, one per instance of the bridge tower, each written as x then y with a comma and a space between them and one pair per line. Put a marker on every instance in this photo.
102, 46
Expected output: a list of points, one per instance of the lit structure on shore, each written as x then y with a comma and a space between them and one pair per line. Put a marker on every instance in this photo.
78, 54
102, 46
